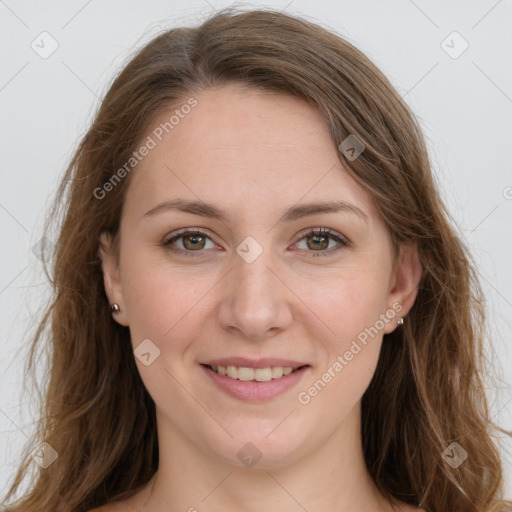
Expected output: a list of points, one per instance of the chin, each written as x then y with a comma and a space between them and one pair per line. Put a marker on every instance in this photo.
265, 447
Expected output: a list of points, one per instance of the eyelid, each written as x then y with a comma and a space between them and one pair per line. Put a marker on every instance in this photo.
185, 231
323, 231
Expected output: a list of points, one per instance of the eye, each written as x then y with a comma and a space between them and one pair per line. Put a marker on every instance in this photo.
188, 240
318, 240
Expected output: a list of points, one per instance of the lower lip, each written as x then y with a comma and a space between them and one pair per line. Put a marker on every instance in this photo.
254, 391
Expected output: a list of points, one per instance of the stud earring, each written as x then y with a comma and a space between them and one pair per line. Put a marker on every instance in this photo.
400, 320
114, 308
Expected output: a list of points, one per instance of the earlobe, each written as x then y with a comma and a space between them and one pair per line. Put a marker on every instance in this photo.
111, 279
405, 282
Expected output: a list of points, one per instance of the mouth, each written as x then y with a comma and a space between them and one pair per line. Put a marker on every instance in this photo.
248, 374
254, 381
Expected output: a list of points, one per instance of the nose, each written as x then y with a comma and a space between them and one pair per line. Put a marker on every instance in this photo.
255, 302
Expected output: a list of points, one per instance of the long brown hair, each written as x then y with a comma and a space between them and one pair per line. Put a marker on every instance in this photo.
427, 391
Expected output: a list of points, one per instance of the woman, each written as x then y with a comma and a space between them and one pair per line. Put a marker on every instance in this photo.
260, 303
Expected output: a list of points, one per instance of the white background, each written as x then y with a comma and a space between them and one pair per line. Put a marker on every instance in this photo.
464, 105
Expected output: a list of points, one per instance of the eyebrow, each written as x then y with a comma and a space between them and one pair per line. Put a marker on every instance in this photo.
292, 213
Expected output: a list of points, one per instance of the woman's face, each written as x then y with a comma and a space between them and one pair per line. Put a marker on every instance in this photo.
254, 288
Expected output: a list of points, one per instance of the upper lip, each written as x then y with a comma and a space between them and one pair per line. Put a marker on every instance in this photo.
264, 362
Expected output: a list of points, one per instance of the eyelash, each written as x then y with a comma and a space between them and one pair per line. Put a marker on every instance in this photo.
343, 242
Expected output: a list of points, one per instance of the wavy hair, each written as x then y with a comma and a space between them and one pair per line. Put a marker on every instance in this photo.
428, 388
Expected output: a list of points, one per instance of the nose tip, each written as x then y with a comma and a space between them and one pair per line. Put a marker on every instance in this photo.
254, 301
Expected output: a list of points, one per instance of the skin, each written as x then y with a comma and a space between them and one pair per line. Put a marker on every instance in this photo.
254, 154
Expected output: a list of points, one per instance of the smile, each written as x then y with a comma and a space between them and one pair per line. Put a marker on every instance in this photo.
254, 384
258, 374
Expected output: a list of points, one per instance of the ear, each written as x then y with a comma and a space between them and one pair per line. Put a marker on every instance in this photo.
404, 283
111, 277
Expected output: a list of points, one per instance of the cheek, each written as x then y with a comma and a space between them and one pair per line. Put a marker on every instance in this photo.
165, 306
160, 300
346, 302
350, 308
328, 399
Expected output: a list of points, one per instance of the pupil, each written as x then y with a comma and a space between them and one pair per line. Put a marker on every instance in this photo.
194, 244
316, 239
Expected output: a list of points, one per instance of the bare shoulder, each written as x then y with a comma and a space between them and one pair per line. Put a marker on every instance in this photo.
126, 506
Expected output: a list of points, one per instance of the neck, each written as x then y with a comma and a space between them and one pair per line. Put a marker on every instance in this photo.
331, 477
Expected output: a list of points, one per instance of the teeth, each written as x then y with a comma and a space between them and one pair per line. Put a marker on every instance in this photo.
263, 374
245, 373
232, 372
258, 374
277, 372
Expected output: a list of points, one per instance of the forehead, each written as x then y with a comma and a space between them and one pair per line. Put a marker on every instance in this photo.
244, 149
